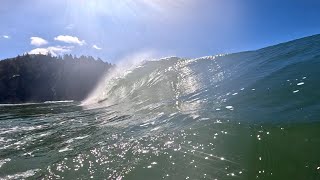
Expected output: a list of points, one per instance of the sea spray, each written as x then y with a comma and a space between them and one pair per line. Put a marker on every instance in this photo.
123, 67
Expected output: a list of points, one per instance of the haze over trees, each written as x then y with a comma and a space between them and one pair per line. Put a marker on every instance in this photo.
39, 78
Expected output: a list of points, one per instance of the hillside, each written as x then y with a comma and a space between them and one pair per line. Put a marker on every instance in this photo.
39, 78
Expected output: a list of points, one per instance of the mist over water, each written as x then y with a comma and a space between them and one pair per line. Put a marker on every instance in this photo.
249, 115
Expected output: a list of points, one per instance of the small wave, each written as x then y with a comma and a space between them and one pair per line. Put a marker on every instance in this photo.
19, 104
21, 175
3, 161
53, 102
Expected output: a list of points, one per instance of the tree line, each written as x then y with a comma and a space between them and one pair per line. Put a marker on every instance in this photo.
39, 78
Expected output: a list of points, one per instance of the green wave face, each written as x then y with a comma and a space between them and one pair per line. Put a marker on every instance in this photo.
255, 85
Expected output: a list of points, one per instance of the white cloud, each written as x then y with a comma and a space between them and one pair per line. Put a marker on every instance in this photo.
6, 36
70, 40
38, 41
96, 47
53, 50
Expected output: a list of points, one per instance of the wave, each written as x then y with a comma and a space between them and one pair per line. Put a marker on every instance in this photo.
249, 85
53, 102
19, 104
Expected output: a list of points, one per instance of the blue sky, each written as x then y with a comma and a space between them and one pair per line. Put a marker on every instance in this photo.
114, 29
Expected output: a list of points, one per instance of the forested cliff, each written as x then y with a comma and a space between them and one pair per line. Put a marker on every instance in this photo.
39, 78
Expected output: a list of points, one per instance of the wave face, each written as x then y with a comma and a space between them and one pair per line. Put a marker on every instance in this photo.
249, 115
254, 85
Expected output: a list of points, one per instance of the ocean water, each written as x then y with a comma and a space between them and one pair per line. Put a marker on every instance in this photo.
249, 115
